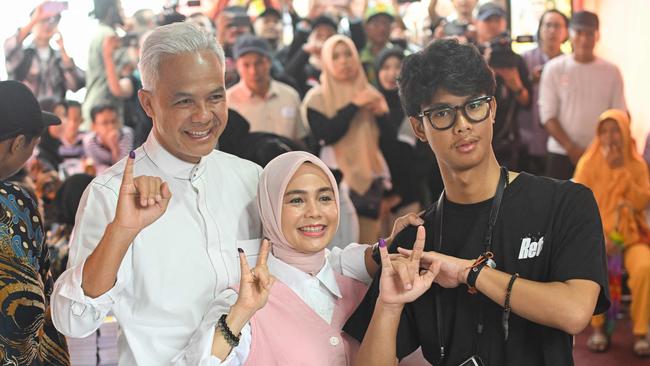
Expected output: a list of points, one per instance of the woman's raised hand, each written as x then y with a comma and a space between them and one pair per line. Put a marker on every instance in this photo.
254, 284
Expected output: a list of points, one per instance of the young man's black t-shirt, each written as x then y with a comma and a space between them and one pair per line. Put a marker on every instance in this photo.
547, 231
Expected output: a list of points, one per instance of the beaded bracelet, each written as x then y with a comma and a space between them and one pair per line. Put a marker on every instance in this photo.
506, 305
232, 339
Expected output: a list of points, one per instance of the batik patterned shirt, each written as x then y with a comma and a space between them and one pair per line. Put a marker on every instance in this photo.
27, 335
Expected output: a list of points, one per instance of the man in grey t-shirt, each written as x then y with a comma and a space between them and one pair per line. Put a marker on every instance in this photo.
574, 90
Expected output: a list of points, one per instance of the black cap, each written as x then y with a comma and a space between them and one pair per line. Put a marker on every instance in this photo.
270, 11
488, 10
584, 20
324, 19
20, 113
249, 43
237, 16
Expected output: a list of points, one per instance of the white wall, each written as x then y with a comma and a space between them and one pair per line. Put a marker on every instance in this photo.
624, 32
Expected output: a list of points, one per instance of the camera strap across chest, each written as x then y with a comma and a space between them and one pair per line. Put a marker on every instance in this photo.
437, 224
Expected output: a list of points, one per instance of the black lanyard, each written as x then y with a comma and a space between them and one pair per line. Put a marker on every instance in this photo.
437, 225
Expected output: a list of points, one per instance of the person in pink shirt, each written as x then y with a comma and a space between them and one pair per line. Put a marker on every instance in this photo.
292, 306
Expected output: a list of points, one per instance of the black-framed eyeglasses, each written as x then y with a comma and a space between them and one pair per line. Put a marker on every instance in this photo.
443, 117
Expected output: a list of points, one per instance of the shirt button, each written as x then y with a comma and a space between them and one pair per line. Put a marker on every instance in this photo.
334, 341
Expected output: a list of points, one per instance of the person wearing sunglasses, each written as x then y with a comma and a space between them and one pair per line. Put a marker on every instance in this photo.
507, 266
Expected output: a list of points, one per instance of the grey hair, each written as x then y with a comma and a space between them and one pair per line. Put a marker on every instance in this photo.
173, 39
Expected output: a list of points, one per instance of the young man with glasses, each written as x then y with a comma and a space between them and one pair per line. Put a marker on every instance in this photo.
518, 261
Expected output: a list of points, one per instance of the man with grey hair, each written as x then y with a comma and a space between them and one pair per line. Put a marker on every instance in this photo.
159, 250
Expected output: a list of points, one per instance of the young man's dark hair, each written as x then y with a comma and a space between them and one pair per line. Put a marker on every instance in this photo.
518, 261
99, 108
446, 64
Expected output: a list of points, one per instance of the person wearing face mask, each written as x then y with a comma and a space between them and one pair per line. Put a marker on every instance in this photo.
553, 30
618, 176
47, 72
346, 114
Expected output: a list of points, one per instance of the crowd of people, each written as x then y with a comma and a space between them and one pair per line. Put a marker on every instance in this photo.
235, 200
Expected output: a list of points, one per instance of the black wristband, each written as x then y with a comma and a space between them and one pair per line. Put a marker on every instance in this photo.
473, 274
232, 339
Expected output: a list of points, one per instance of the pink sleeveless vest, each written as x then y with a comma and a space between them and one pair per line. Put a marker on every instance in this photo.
287, 332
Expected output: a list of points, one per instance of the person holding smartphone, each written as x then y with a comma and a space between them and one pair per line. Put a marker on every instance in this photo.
47, 72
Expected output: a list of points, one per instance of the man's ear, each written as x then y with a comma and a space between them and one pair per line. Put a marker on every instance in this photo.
17, 144
418, 128
146, 101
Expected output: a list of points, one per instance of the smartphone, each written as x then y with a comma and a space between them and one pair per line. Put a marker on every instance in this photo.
54, 7
194, 3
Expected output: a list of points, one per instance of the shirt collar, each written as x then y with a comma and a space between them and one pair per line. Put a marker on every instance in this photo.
273, 90
169, 163
297, 279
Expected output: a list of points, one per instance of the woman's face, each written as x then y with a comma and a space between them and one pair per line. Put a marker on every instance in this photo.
610, 134
344, 67
389, 72
553, 30
309, 211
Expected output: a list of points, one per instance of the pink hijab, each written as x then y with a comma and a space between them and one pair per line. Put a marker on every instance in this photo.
270, 195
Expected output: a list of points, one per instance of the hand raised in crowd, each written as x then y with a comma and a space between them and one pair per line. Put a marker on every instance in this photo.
402, 280
40, 14
254, 284
142, 200
366, 98
452, 271
112, 139
313, 46
379, 107
67, 60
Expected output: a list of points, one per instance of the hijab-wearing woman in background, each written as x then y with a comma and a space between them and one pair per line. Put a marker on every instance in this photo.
345, 114
410, 161
619, 178
299, 319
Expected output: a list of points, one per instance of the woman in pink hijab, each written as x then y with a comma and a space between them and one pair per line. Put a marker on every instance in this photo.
300, 319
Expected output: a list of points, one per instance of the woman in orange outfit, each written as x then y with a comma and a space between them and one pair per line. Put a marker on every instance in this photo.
619, 178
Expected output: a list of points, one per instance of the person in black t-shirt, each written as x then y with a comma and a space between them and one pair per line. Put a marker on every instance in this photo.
545, 244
